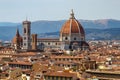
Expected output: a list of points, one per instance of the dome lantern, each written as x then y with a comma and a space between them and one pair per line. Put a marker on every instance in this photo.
72, 14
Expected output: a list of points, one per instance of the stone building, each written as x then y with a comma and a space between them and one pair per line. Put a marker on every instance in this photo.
48, 43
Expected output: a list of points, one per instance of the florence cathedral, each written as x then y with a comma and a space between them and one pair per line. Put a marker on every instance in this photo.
72, 37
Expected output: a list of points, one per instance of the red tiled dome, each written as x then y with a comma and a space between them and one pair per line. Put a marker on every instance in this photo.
72, 26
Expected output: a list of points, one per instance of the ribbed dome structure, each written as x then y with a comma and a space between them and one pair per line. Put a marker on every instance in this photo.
72, 26
72, 35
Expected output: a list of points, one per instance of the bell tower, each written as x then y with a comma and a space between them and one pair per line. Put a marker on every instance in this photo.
26, 35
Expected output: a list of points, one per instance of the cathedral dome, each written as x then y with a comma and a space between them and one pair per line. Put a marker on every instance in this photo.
72, 26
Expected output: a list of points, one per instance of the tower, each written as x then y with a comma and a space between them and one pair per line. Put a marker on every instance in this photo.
26, 35
34, 41
17, 41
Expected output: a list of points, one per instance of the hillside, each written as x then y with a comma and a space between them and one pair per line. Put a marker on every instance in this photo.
93, 34
95, 29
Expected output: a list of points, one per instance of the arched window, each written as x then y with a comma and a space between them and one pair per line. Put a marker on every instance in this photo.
48, 43
82, 39
56, 43
75, 38
24, 38
24, 30
66, 38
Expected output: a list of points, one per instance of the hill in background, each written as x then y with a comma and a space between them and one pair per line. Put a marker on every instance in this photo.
95, 29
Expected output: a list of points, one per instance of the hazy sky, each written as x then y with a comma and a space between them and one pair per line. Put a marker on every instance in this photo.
18, 10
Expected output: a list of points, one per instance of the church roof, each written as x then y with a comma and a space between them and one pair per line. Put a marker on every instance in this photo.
72, 26
17, 37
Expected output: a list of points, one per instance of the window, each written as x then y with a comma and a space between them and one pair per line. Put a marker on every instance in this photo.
70, 78
71, 59
65, 78
59, 59
52, 77
56, 77
6, 75
28, 30
61, 78
24, 44
48, 77
82, 39
24, 38
56, 43
28, 38
68, 65
75, 38
66, 38
55, 59
24, 30
48, 43
45, 77
67, 59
